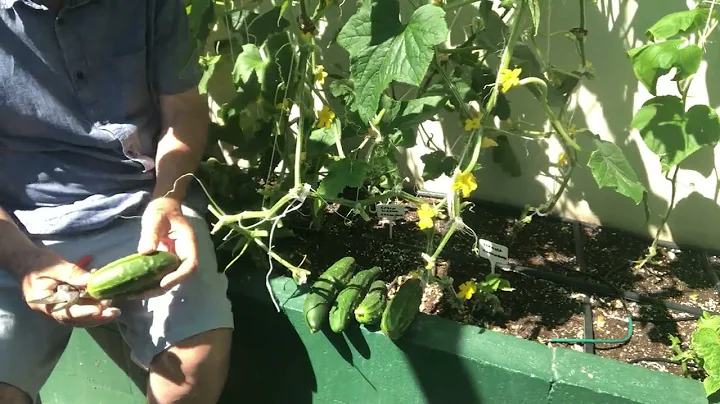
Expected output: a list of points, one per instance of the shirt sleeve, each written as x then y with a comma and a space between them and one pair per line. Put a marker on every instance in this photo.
175, 65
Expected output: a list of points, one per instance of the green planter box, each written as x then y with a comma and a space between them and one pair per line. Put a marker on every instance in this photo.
275, 359
438, 360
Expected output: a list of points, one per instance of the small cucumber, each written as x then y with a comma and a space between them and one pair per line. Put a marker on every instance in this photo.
135, 273
371, 308
324, 290
350, 297
402, 308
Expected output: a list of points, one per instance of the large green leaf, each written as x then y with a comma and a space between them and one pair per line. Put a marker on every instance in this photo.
343, 173
672, 133
383, 50
711, 384
657, 59
249, 61
611, 169
437, 163
681, 22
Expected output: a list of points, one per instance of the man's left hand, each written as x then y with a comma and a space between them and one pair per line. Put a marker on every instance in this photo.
165, 227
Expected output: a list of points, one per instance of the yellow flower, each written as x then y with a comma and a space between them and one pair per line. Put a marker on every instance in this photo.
320, 74
325, 117
467, 290
285, 104
509, 78
471, 124
562, 159
425, 214
572, 130
465, 182
306, 35
488, 142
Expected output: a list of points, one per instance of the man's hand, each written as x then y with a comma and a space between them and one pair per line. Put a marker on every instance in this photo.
164, 227
44, 272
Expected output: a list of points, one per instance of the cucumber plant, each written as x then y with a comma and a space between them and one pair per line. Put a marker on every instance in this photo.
309, 131
703, 351
671, 128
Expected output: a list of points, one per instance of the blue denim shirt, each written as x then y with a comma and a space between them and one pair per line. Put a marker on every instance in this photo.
79, 119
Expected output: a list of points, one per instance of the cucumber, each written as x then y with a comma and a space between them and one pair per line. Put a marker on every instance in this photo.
402, 308
371, 308
133, 274
324, 290
350, 297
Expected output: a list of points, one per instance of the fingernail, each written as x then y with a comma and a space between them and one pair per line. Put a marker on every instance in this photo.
111, 312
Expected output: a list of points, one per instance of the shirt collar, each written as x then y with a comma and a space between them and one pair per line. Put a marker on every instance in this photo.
7, 3
68, 4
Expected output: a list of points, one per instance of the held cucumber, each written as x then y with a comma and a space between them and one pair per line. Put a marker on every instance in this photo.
133, 274
324, 290
402, 308
350, 297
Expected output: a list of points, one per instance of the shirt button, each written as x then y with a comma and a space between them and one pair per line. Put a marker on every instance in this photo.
60, 21
79, 75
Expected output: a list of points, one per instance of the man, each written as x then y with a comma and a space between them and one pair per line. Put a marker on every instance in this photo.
100, 118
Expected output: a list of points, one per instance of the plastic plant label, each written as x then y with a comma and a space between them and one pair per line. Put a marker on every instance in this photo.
495, 253
391, 211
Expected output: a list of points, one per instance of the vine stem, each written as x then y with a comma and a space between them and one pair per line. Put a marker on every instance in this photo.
581, 38
554, 120
453, 227
459, 4
504, 64
652, 250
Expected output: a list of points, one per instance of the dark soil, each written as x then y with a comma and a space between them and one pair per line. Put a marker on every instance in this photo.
537, 309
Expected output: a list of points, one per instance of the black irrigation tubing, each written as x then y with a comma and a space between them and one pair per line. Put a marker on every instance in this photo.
608, 291
589, 331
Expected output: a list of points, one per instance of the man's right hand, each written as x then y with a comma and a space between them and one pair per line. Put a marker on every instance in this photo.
44, 271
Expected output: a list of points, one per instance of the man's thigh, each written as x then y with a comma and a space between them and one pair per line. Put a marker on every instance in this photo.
150, 326
31, 343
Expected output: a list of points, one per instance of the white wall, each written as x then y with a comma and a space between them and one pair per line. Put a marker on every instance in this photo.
605, 106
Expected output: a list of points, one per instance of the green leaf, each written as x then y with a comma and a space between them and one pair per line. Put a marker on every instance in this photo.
382, 50
257, 28
611, 169
343, 173
201, 15
703, 341
409, 114
209, 64
708, 321
504, 155
673, 134
437, 164
711, 385
321, 139
249, 61
681, 22
279, 58
652, 61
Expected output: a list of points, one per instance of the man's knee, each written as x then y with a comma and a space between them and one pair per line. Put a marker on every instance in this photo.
12, 395
193, 371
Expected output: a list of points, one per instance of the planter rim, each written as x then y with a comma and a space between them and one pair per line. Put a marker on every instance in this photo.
568, 374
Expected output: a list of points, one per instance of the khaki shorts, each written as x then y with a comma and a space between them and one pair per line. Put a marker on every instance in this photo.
31, 343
